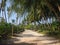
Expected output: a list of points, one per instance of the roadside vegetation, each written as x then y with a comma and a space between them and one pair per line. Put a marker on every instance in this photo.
6, 30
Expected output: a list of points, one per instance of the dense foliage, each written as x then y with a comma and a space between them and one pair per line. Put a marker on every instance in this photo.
6, 30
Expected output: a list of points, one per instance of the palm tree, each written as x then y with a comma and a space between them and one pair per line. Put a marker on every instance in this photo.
3, 4
0, 7
12, 26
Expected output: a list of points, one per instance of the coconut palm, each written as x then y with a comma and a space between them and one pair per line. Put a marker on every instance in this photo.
3, 4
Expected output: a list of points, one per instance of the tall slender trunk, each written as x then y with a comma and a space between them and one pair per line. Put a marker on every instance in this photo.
5, 15
12, 30
17, 22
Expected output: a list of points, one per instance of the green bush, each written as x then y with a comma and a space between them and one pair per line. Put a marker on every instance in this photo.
6, 30
52, 29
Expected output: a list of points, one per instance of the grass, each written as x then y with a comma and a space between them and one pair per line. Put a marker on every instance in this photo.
50, 33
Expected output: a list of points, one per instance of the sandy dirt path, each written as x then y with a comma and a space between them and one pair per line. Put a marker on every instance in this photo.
29, 37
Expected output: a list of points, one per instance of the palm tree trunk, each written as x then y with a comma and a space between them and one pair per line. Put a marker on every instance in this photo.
5, 16
12, 30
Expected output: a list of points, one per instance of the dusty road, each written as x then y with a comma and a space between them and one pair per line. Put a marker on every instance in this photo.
29, 37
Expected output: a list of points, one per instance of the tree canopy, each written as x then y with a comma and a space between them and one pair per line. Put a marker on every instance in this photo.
38, 8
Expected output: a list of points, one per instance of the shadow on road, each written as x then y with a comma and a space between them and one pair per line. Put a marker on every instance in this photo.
25, 35
22, 43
